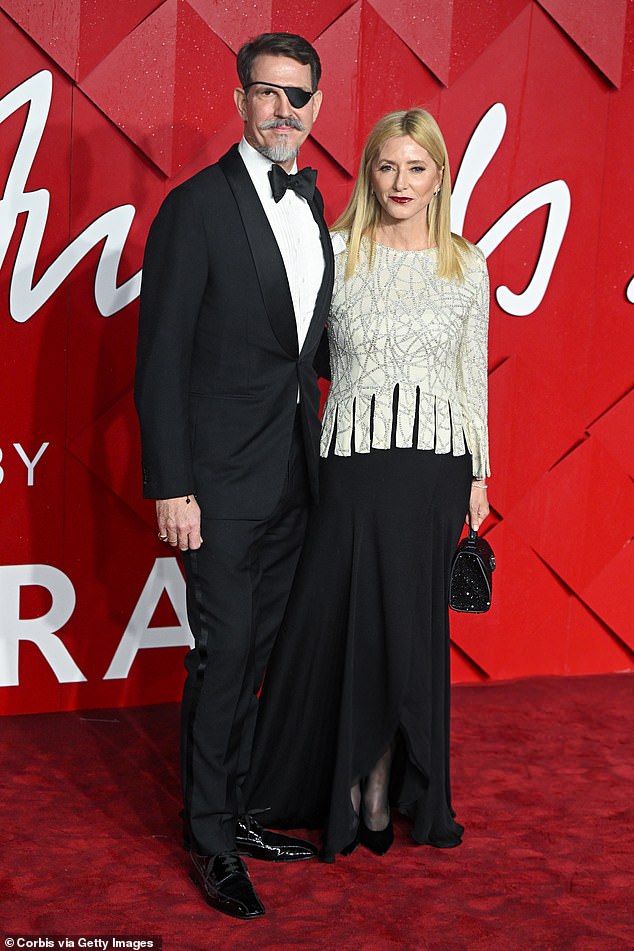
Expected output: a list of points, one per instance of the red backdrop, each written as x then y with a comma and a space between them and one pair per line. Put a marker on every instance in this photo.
105, 105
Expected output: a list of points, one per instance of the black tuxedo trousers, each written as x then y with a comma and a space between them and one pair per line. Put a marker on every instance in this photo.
238, 584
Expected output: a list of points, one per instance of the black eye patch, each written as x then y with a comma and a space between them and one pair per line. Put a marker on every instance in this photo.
297, 97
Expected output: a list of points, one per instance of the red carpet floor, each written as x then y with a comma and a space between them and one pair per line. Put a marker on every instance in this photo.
543, 774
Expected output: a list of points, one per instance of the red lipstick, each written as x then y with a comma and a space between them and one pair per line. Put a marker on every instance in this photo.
399, 199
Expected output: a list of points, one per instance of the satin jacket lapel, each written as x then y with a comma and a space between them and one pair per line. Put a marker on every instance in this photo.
267, 258
325, 291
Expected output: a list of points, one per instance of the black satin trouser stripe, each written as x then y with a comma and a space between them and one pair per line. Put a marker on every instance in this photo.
189, 709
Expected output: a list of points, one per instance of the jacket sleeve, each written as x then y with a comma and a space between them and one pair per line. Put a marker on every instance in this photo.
175, 274
472, 376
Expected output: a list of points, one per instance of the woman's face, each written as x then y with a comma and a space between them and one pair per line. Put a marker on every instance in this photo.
404, 178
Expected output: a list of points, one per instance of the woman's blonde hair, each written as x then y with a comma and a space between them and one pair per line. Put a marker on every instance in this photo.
363, 212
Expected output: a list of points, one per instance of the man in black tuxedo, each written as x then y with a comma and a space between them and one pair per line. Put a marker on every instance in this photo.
237, 279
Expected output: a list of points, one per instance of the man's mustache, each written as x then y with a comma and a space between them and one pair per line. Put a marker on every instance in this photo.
279, 123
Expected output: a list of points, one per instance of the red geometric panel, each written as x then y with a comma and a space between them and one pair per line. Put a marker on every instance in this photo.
55, 27
338, 49
590, 647
519, 635
495, 78
609, 594
101, 351
448, 37
615, 431
239, 20
521, 402
167, 85
580, 515
463, 670
602, 35
535, 625
110, 448
610, 372
77, 34
357, 49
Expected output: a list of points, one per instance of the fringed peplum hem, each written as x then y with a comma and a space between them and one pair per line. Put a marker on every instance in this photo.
367, 419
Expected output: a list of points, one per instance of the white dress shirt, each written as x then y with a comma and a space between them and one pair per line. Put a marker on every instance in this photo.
297, 236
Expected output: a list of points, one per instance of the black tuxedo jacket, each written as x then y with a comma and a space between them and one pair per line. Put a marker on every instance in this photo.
218, 363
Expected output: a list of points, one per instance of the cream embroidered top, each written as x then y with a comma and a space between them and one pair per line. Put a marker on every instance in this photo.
399, 324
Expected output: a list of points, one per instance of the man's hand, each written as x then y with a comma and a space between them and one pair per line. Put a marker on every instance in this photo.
179, 522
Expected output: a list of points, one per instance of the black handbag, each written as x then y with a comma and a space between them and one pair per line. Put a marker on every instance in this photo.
471, 581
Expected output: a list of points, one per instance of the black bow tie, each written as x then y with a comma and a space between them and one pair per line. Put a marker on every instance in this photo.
302, 184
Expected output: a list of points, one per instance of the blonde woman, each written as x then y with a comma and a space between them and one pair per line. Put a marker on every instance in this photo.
354, 715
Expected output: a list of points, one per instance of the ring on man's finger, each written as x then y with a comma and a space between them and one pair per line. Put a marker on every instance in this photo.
162, 537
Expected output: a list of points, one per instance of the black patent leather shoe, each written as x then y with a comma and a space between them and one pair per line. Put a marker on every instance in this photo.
259, 843
226, 885
377, 842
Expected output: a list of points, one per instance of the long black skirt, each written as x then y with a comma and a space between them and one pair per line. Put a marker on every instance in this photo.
362, 658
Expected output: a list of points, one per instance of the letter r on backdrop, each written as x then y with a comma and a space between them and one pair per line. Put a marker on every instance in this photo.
39, 630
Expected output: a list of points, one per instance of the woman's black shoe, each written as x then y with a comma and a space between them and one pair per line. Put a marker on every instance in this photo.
377, 842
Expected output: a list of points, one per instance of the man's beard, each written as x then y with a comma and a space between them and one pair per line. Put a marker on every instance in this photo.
279, 153
282, 152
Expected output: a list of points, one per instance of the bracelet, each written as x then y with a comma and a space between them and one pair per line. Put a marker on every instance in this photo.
476, 486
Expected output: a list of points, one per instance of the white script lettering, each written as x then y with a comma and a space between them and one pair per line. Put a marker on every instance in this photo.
25, 298
480, 150
113, 227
